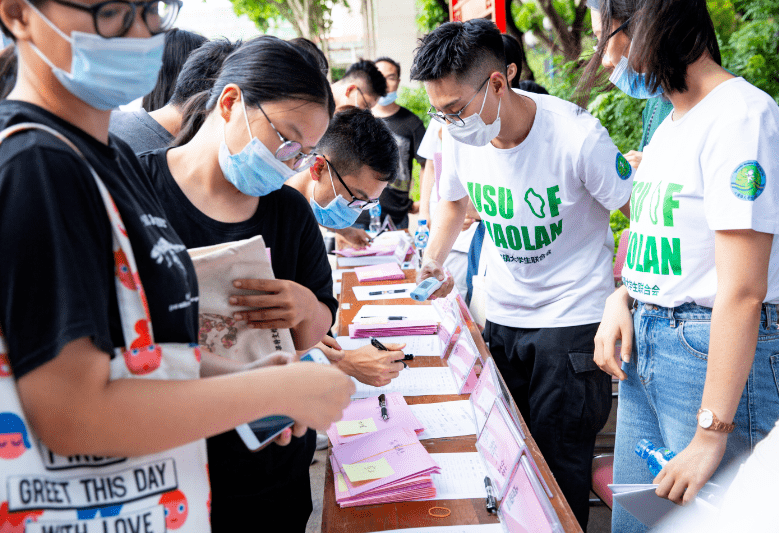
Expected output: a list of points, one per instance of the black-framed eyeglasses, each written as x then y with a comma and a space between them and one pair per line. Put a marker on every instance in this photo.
364, 101
291, 149
115, 18
454, 118
356, 202
622, 27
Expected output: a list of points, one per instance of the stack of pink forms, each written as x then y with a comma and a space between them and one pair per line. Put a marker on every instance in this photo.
374, 249
362, 418
381, 272
390, 465
392, 328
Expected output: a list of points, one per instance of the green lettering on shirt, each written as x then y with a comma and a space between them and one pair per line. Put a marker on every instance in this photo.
669, 204
513, 237
654, 203
499, 238
542, 237
488, 191
526, 240
474, 191
631, 256
554, 201
535, 203
505, 203
640, 249
651, 262
556, 228
489, 229
671, 253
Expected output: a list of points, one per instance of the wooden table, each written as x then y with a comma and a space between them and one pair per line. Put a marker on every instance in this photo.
401, 515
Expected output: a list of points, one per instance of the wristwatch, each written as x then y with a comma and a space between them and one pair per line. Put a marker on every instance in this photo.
708, 420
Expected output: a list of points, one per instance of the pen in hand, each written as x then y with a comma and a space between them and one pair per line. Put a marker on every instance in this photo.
379, 346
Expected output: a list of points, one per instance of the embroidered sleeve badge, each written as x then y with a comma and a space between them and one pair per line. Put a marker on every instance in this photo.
748, 181
624, 170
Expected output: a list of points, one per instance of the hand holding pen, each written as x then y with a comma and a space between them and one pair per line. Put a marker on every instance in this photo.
379, 346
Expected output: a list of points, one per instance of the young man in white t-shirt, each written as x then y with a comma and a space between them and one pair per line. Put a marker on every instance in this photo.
543, 175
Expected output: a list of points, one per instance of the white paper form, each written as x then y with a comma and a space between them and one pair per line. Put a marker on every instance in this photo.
410, 312
445, 419
419, 345
478, 528
364, 292
412, 382
461, 477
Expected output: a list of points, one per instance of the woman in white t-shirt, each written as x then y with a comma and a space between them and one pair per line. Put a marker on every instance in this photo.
704, 212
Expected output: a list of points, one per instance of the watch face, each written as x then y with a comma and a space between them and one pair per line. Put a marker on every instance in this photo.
706, 418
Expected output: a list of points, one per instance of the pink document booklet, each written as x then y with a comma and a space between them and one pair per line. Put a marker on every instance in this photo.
362, 419
390, 465
386, 271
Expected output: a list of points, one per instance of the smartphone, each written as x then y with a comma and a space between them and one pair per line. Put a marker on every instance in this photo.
259, 433
423, 291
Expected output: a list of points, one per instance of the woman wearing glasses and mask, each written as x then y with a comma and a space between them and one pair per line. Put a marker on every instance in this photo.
101, 413
224, 181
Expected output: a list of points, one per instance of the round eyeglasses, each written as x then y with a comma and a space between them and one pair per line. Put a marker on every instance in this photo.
115, 18
454, 118
356, 202
291, 149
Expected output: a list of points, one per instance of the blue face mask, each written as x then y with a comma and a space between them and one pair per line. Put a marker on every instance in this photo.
388, 99
631, 82
254, 171
107, 73
337, 214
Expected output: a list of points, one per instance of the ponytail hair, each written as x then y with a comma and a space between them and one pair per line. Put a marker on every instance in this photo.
267, 69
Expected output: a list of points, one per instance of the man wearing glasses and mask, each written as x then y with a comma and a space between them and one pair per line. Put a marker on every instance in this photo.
543, 175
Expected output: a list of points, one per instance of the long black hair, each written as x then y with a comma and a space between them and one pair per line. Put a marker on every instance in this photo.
178, 45
266, 69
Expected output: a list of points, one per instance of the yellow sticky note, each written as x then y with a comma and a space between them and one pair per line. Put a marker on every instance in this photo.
355, 427
369, 470
341, 482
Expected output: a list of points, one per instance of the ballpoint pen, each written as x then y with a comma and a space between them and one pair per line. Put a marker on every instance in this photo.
387, 317
383, 405
379, 346
492, 505
395, 291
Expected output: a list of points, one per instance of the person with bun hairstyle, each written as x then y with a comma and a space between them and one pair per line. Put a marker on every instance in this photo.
223, 181
697, 361
98, 296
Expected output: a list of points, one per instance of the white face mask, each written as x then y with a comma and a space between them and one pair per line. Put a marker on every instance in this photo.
474, 131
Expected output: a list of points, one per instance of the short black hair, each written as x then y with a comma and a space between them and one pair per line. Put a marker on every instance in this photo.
201, 69
390, 61
9, 64
470, 50
532, 87
366, 70
313, 49
356, 138
514, 54
179, 44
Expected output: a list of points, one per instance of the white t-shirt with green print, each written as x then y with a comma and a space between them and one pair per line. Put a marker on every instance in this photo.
546, 206
714, 169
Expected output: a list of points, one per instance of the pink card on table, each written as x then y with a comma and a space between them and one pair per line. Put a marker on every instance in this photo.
462, 362
500, 446
390, 460
392, 328
362, 419
526, 507
384, 271
451, 324
484, 394
374, 249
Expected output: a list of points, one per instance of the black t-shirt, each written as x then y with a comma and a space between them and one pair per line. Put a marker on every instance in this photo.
57, 268
408, 131
283, 218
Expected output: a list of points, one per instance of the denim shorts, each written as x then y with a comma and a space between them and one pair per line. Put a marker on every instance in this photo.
661, 396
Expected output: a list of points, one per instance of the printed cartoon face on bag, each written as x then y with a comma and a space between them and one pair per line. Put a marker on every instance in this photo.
143, 357
176, 510
16, 522
13, 436
5, 366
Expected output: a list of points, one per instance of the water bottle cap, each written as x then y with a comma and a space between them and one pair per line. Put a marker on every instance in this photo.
643, 447
422, 222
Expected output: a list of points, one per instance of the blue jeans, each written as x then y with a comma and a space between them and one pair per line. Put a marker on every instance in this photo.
661, 396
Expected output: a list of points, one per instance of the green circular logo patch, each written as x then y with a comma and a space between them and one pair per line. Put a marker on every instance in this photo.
748, 181
624, 170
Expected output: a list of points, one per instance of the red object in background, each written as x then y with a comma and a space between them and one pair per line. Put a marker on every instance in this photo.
495, 10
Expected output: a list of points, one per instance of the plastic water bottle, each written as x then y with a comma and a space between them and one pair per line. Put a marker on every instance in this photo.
421, 236
375, 224
656, 458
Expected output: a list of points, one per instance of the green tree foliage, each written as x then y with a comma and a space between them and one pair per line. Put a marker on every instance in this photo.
431, 14
310, 18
